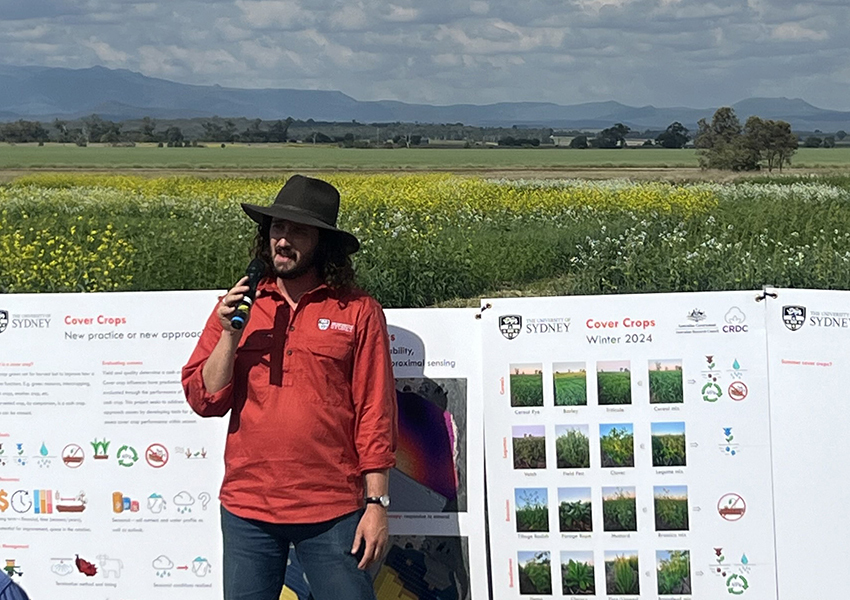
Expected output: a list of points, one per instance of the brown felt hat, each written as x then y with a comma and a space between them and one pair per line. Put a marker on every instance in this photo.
307, 201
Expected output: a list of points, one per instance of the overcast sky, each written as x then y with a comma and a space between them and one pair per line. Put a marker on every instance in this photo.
698, 53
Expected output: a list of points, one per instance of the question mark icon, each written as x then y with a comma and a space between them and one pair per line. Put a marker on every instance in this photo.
205, 499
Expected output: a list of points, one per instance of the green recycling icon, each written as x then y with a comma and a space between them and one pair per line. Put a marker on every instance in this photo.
737, 584
127, 456
711, 392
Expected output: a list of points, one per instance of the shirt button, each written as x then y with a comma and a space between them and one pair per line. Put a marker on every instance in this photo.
292, 328
289, 352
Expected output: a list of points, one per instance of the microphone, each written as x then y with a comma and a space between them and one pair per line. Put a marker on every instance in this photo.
256, 270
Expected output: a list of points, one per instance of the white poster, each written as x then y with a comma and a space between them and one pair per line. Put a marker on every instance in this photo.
627, 443
809, 333
109, 482
437, 527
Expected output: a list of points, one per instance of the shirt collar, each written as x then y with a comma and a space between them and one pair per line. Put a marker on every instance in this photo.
268, 287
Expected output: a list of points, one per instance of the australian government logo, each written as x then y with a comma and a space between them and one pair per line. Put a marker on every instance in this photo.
510, 325
4, 320
698, 321
794, 317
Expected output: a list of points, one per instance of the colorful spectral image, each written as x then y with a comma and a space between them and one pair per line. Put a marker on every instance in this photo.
614, 382
578, 576
619, 509
423, 568
671, 507
674, 572
535, 572
575, 509
668, 444
617, 444
665, 382
430, 471
532, 509
529, 446
570, 382
572, 446
622, 573
526, 385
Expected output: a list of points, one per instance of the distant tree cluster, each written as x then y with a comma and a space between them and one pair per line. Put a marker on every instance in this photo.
725, 144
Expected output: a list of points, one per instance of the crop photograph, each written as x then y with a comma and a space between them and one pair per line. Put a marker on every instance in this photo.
578, 576
575, 509
671, 507
532, 509
535, 573
622, 573
529, 446
572, 446
526, 383
619, 509
570, 383
614, 382
674, 572
617, 444
665, 382
668, 445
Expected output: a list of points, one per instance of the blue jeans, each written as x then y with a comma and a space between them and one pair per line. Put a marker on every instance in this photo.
255, 556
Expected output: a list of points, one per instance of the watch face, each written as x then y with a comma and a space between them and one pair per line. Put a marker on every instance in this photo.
385, 501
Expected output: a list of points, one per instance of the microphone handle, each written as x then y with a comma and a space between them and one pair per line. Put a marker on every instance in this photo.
240, 317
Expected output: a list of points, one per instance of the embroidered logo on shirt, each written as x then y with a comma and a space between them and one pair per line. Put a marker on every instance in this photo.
324, 324
342, 327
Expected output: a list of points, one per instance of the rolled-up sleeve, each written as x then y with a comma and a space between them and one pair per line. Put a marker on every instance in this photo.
201, 401
373, 392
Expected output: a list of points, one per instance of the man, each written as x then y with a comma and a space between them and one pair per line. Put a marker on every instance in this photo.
309, 387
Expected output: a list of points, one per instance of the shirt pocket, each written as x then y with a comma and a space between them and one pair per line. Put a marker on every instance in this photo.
331, 366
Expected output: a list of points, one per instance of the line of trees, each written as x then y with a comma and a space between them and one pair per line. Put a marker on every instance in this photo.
725, 144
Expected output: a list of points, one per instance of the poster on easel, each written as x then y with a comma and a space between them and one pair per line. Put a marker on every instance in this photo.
809, 352
628, 447
109, 481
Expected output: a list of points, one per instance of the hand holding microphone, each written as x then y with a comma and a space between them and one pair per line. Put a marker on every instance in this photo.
236, 305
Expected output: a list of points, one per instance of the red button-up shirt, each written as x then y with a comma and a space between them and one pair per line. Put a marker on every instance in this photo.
312, 405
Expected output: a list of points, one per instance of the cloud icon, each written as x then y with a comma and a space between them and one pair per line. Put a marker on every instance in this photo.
62, 568
735, 316
162, 563
184, 499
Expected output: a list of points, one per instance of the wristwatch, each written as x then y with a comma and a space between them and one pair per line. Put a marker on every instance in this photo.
382, 500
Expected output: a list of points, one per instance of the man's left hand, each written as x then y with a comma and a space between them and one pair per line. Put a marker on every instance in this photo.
372, 531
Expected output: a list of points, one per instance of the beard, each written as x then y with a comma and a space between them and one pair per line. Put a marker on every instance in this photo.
297, 267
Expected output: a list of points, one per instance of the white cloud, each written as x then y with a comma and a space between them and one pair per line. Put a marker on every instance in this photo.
267, 14
794, 32
479, 7
162, 563
106, 53
400, 14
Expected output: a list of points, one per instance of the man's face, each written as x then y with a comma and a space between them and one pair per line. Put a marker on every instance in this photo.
293, 247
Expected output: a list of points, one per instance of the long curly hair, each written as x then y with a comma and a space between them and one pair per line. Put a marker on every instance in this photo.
331, 260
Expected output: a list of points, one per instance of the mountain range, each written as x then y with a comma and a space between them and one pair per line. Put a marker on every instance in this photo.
45, 93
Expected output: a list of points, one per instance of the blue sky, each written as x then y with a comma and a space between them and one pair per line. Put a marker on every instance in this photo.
573, 495
676, 428
673, 491
531, 430
605, 428
698, 53
531, 496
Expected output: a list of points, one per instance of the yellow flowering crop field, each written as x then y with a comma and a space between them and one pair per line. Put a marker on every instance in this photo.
433, 237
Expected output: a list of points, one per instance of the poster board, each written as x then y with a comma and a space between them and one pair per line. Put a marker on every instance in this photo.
628, 446
109, 482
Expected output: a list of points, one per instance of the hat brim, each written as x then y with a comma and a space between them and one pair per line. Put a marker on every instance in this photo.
259, 213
